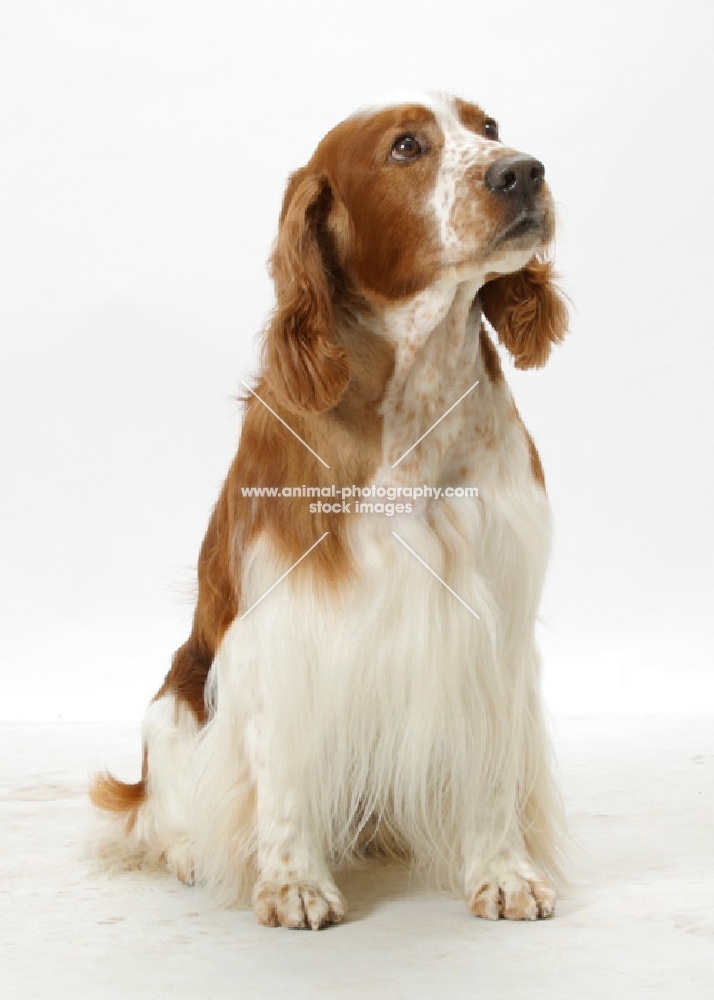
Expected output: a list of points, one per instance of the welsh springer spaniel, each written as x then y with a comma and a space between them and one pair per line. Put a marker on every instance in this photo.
362, 672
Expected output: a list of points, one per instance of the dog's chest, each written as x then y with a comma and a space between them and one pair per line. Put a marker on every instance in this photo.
426, 584
457, 457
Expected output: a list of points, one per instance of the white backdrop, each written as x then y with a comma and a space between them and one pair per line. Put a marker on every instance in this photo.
145, 149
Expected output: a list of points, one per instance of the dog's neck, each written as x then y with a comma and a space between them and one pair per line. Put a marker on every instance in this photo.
439, 313
435, 336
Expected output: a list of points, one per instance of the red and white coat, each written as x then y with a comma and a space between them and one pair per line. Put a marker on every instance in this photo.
386, 691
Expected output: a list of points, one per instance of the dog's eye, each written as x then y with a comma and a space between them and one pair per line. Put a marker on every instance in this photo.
407, 147
490, 129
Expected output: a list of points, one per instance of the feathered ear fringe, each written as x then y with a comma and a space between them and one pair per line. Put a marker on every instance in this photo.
527, 311
303, 364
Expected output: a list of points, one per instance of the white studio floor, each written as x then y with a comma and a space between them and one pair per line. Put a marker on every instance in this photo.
638, 923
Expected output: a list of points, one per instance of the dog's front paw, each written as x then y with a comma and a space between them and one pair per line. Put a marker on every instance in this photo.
513, 896
298, 904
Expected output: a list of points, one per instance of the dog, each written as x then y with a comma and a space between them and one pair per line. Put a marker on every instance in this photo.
362, 672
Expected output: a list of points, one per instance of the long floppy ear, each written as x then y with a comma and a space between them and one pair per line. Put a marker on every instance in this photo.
303, 363
527, 311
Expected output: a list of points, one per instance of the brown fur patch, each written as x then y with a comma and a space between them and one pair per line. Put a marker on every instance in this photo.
112, 795
527, 311
394, 249
471, 116
307, 369
536, 464
489, 356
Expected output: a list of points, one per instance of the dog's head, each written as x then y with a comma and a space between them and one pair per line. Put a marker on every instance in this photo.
394, 199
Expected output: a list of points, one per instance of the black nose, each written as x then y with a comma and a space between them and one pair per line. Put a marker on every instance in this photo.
517, 176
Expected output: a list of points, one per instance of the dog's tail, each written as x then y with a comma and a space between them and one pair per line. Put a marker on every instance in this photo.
111, 795
123, 838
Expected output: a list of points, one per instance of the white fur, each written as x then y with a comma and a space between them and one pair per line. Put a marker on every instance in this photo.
437, 103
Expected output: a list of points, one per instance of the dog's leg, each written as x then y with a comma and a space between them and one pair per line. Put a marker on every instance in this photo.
514, 830
294, 886
506, 847
500, 878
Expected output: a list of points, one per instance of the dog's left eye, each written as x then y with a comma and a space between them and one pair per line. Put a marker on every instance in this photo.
407, 147
490, 128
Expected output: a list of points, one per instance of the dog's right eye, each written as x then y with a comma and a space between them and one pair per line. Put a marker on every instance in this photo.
407, 147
